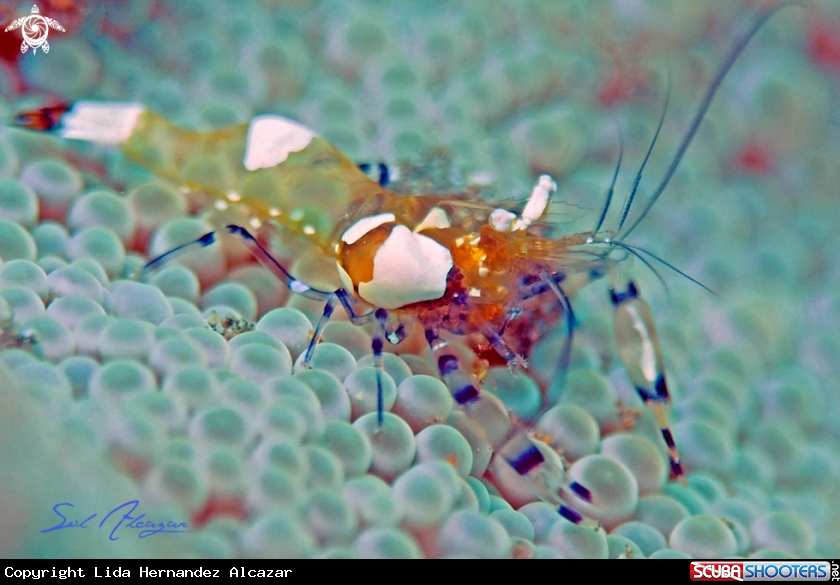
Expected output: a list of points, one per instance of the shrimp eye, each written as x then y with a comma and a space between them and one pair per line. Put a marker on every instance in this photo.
389, 266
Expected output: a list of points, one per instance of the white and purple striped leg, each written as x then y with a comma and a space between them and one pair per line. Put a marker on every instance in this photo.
639, 350
383, 331
513, 359
535, 285
338, 296
377, 344
257, 250
509, 439
329, 307
379, 172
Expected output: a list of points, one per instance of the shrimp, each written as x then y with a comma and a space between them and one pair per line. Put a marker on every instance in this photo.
448, 262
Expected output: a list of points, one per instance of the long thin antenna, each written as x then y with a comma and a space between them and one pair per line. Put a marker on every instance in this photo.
671, 266
735, 52
612, 184
638, 179
645, 262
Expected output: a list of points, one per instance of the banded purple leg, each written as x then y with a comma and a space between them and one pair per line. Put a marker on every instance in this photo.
379, 172
639, 350
509, 316
550, 282
464, 390
338, 296
513, 359
270, 262
379, 335
257, 250
509, 439
383, 330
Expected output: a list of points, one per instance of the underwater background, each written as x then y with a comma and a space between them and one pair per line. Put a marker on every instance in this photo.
124, 393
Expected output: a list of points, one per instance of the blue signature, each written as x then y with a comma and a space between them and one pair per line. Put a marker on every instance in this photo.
146, 527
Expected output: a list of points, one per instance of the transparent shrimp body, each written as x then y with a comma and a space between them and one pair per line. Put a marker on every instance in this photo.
447, 260
279, 169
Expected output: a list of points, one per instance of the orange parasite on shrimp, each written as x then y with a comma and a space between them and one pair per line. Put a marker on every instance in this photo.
448, 262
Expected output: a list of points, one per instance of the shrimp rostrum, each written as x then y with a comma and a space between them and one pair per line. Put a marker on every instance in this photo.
447, 262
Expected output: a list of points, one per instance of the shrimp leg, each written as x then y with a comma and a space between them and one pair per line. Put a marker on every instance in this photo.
641, 354
383, 330
513, 449
257, 250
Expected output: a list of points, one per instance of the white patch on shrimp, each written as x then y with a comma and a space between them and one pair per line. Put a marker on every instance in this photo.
436, 218
271, 139
408, 268
352, 234
101, 122
501, 220
298, 287
647, 363
537, 202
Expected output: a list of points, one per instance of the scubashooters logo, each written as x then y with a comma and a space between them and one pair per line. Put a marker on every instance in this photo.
760, 571
35, 29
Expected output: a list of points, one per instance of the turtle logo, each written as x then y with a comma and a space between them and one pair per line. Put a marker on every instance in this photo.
35, 30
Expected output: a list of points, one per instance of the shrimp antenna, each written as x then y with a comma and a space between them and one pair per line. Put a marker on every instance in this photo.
671, 266
737, 48
612, 185
644, 261
638, 179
